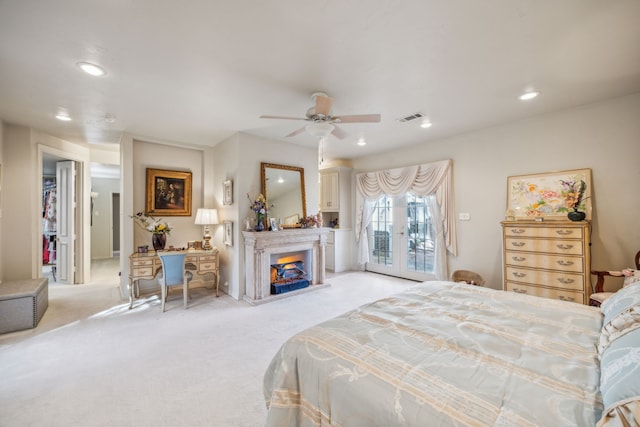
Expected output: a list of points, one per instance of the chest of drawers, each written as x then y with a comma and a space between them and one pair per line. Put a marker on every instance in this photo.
548, 259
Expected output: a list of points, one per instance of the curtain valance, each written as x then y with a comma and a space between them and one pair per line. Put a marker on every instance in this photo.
422, 180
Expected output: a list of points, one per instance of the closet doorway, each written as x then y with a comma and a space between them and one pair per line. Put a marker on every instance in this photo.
60, 218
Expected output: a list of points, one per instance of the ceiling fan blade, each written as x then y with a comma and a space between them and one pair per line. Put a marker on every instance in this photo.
358, 118
296, 132
338, 133
323, 105
283, 117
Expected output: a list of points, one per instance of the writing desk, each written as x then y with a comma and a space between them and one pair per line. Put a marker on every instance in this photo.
147, 266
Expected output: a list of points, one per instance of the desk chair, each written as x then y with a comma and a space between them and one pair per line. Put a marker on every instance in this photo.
173, 274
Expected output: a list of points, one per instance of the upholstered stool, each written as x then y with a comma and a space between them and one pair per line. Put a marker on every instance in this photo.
22, 303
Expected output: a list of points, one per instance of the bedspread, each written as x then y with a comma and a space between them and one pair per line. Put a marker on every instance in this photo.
442, 354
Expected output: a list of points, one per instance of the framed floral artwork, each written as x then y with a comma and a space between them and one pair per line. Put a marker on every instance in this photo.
227, 192
168, 192
227, 239
549, 196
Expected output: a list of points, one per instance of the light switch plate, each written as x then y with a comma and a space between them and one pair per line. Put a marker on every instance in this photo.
464, 216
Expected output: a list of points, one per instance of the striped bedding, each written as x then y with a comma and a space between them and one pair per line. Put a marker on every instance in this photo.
442, 354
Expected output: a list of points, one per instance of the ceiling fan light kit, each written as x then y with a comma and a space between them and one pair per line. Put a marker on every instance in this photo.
320, 129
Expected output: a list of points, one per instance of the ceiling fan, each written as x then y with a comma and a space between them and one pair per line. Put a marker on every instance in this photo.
323, 123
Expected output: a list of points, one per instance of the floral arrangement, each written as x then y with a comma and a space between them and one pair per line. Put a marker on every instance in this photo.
151, 224
309, 222
259, 206
573, 193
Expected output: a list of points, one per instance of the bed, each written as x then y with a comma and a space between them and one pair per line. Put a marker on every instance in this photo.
451, 354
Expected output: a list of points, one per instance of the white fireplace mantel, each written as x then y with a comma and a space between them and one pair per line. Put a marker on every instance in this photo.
259, 246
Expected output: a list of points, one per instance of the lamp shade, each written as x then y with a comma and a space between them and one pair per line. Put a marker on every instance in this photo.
207, 216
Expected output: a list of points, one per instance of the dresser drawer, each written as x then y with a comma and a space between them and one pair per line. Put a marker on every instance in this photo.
207, 266
142, 271
142, 263
568, 281
568, 247
550, 232
549, 262
546, 292
208, 258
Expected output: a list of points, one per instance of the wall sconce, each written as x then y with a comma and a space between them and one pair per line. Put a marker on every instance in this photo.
207, 217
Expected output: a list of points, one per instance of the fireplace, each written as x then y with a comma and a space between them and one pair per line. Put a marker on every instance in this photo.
297, 248
288, 274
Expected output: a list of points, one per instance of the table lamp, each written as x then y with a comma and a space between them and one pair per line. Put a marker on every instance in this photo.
207, 217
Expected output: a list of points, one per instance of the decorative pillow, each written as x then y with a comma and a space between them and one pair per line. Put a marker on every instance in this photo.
620, 381
621, 315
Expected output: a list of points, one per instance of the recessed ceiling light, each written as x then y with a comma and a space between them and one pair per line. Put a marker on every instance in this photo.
426, 124
527, 96
63, 117
362, 142
92, 69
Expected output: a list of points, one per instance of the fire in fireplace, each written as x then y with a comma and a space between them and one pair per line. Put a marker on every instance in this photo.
287, 276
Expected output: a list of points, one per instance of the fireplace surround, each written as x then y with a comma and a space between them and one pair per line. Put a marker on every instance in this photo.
261, 246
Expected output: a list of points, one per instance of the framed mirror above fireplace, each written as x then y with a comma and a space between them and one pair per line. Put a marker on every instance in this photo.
283, 187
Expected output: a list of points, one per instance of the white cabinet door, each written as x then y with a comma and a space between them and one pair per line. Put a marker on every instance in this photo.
329, 192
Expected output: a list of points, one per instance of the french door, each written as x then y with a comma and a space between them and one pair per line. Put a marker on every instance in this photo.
401, 237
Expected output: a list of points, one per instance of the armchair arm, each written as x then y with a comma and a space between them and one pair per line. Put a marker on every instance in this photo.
601, 275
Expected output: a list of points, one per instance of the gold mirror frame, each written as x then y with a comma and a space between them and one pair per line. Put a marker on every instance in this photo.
265, 190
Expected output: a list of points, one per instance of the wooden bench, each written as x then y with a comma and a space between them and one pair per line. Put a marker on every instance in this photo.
22, 303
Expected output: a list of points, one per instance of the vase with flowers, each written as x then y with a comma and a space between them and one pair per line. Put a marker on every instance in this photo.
573, 193
259, 207
158, 229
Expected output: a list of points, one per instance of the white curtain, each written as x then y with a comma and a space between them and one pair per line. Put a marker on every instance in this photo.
421, 180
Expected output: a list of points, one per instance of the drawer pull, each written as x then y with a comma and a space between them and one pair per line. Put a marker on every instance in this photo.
518, 258
518, 274
517, 244
565, 281
518, 231
519, 291
564, 232
563, 298
561, 246
565, 263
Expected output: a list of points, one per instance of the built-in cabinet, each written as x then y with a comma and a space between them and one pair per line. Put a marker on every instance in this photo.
335, 207
548, 259
330, 191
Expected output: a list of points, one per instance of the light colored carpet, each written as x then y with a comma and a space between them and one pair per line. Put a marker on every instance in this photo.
93, 362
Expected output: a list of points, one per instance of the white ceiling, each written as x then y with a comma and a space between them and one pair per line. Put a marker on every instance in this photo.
199, 71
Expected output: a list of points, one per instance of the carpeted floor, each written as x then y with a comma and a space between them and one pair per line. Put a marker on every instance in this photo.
93, 362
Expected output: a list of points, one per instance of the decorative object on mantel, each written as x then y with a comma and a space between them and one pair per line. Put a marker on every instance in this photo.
309, 222
155, 226
550, 196
573, 193
207, 217
259, 207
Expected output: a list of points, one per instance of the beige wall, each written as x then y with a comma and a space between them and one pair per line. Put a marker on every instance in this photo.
238, 159
101, 243
604, 137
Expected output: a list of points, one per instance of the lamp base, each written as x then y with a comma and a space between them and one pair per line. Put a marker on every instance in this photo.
207, 243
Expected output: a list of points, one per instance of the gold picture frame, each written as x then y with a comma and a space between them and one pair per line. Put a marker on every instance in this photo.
542, 196
168, 192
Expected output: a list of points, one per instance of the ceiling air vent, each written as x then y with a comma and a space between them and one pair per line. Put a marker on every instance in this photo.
411, 117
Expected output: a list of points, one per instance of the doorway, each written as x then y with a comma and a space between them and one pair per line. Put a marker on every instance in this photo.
401, 237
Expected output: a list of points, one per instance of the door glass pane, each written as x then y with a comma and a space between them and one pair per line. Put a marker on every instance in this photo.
420, 237
380, 233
